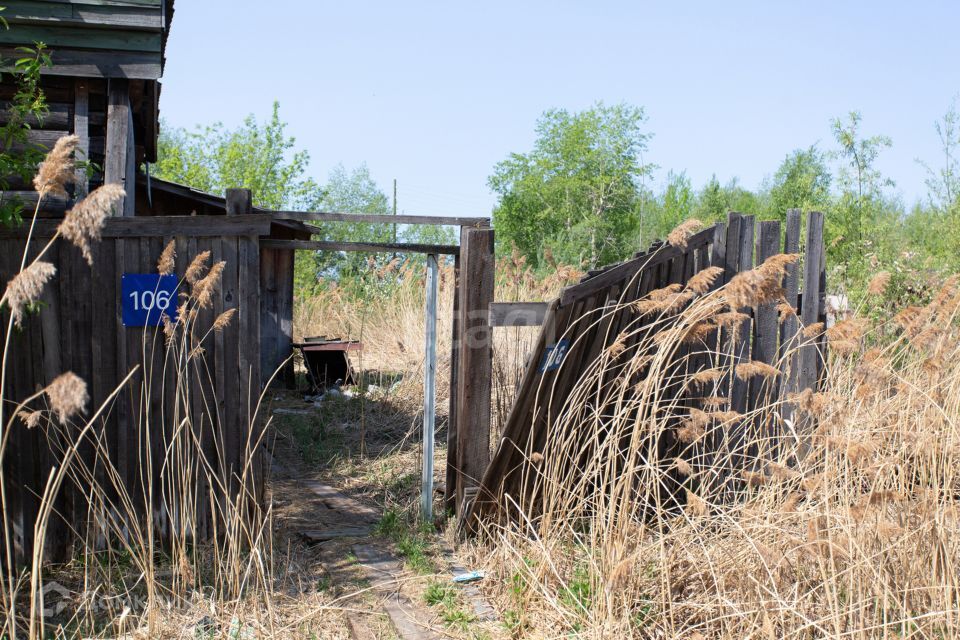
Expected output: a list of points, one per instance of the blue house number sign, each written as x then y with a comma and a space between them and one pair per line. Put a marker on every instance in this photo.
146, 297
553, 355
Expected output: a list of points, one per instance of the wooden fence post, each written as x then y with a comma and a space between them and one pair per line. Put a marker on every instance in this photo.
790, 379
766, 330
239, 202
810, 304
475, 352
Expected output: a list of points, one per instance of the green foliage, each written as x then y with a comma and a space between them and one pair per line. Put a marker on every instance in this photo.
355, 191
412, 542
857, 212
801, 182
256, 156
943, 183
28, 102
578, 192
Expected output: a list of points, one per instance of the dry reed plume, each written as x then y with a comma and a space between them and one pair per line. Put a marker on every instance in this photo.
834, 513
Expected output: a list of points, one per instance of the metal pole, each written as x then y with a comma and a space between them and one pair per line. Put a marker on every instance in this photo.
429, 390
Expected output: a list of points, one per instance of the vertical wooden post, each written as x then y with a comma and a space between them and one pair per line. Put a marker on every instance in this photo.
789, 380
239, 202
81, 128
475, 370
116, 164
450, 490
766, 328
810, 305
741, 352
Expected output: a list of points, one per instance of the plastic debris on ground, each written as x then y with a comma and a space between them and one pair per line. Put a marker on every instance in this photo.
466, 578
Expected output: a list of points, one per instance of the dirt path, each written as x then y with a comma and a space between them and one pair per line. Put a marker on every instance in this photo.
391, 579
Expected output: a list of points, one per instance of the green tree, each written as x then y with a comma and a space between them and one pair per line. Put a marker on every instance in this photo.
256, 156
861, 186
943, 183
578, 191
18, 157
348, 192
674, 205
801, 182
715, 200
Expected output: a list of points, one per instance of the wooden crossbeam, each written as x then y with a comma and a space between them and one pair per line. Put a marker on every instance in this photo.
369, 247
517, 314
332, 216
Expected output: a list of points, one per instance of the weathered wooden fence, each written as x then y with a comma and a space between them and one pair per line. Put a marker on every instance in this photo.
572, 338
79, 328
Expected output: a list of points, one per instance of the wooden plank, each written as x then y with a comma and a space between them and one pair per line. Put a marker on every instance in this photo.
54, 14
789, 328
331, 216
140, 226
475, 376
93, 64
133, 463
285, 275
741, 352
81, 127
124, 405
369, 247
517, 314
232, 423
130, 173
78, 35
810, 305
270, 357
45, 139
221, 379
766, 328
103, 347
766, 325
118, 130
59, 116
383, 570
152, 426
249, 311
450, 488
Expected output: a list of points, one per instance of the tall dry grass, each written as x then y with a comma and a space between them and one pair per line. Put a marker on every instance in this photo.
822, 514
184, 531
386, 313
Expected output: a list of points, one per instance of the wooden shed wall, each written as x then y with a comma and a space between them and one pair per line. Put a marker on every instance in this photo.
93, 38
79, 329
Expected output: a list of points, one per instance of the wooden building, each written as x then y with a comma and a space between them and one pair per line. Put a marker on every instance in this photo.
104, 86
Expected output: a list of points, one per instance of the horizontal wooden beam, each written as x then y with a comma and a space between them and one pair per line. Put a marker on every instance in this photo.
133, 227
322, 216
93, 64
368, 247
517, 314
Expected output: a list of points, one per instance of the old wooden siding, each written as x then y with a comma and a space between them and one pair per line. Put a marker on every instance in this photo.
79, 328
93, 38
590, 316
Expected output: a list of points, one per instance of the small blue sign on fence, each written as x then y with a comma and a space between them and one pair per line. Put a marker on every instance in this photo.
147, 297
553, 355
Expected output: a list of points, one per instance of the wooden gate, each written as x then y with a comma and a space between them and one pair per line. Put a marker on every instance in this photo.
589, 316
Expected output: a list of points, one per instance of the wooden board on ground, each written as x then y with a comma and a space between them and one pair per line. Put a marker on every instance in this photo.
384, 572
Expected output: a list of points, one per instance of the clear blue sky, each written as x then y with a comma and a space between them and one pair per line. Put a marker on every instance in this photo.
434, 94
